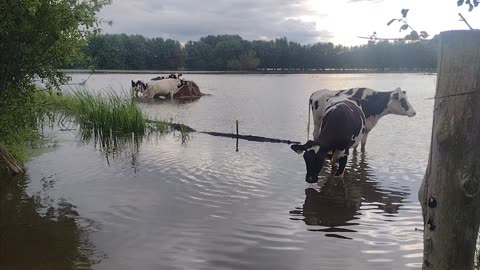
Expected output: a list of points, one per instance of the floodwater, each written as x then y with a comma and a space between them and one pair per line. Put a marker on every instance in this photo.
161, 204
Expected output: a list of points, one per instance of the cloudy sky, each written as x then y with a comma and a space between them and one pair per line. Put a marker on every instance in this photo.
304, 21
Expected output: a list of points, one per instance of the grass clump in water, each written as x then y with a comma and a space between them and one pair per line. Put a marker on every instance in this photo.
100, 115
108, 118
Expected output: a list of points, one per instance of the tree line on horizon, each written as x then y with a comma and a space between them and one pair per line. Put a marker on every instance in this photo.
231, 52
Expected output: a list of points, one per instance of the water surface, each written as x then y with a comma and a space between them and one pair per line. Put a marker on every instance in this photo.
202, 205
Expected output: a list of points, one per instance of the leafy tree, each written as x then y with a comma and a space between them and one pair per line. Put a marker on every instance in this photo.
37, 38
199, 55
136, 52
231, 52
40, 36
471, 3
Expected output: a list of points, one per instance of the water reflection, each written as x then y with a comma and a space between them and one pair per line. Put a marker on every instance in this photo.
116, 146
36, 233
336, 203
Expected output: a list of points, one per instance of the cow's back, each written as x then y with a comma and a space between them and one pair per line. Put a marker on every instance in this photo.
318, 102
162, 87
342, 125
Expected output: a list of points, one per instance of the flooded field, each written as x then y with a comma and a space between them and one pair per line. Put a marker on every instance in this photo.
161, 204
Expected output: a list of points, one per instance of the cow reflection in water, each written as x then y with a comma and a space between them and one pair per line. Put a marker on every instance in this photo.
337, 202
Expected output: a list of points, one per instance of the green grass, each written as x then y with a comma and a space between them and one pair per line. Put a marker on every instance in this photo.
21, 117
109, 119
100, 115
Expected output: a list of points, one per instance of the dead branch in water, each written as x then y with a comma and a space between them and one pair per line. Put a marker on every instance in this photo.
182, 127
248, 137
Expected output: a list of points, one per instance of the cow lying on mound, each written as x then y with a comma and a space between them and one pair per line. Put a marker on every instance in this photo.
153, 89
342, 127
374, 105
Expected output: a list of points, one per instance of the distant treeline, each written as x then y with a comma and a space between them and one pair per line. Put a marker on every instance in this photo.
231, 52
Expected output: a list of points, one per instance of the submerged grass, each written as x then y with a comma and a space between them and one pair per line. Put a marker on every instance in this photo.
101, 115
109, 119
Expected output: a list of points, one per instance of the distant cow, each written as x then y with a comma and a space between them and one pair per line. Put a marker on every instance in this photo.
342, 127
374, 105
158, 78
153, 89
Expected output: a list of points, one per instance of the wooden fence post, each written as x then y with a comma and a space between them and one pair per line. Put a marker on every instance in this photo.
450, 191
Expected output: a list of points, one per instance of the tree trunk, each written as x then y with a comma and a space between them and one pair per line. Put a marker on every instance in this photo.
449, 194
10, 162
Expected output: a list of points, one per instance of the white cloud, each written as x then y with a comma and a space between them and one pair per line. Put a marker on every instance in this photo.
189, 20
304, 21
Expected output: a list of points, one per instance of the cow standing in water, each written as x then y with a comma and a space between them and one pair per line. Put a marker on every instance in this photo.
342, 127
155, 88
374, 104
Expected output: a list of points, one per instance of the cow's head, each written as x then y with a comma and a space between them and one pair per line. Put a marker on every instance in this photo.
398, 103
139, 86
181, 83
314, 159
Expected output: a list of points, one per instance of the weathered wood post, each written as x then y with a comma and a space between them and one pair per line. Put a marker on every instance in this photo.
9, 161
450, 192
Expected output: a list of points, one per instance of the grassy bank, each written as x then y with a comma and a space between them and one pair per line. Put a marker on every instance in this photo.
21, 117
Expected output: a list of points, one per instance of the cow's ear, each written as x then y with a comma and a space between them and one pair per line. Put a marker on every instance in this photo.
133, 83
298, 148
395, 96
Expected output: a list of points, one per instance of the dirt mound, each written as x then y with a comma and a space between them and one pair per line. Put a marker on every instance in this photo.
191, 90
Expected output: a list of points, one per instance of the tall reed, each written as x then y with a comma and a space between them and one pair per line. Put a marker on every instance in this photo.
101, 115
108, 118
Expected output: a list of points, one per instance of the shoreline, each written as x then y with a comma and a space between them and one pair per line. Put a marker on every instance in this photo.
331, 71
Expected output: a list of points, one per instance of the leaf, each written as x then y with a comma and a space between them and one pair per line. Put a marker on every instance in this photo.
403, 27
414, 35
424, 34
475, 3
470, 8
391, 21
460, 2
404, 12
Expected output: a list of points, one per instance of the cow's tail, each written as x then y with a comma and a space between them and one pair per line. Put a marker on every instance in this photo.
308, 124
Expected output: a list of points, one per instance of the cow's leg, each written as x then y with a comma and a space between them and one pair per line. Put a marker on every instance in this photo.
333, 162
364, 142
342, 162
316, 130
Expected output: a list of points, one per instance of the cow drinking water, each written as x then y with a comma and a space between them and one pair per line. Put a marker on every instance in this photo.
374, 104
342, 127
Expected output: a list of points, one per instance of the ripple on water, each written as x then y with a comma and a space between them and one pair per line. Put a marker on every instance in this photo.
204, 206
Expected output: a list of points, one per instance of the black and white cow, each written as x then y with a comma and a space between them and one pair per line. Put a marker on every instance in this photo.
138, 86
342, 127
155, 88
375, 105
